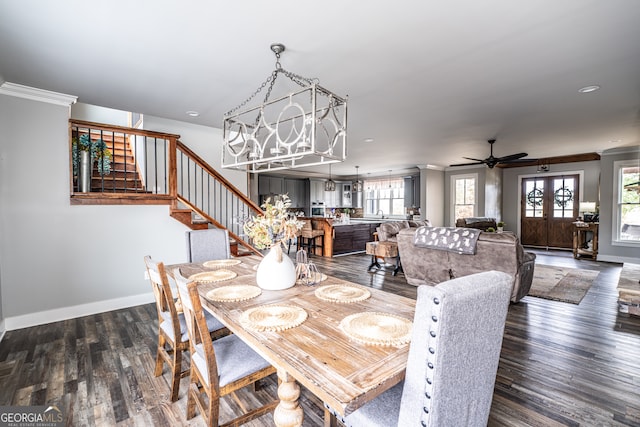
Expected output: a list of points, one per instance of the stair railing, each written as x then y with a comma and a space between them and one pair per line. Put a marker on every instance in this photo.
212, 196
149, 167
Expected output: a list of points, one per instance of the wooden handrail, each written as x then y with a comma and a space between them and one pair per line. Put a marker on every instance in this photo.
229, 186
132, 131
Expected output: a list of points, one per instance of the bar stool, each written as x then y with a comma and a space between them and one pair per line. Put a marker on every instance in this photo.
308, 236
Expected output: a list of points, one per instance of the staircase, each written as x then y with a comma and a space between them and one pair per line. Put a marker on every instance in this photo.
124, 176
156, 168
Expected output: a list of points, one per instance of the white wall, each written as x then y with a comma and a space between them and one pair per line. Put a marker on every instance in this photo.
606, 250
59, 261
432, 197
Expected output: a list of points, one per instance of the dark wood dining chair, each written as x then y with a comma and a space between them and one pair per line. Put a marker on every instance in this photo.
173, 338
219, 367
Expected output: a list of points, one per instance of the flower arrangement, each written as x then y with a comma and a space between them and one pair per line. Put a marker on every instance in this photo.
273, 227
98, 150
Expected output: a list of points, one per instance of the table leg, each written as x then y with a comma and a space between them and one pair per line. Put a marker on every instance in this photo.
288, 413
374, 263
398, 266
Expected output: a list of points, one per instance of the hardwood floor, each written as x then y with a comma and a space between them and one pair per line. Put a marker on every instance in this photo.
561, 364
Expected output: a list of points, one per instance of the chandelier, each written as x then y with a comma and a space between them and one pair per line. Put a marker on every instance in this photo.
304, 128
331, 184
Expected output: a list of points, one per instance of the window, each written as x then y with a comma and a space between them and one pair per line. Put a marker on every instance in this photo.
464, 196
627, 193
384, 197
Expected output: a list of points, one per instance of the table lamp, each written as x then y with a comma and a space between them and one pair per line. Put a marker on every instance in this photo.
587, 209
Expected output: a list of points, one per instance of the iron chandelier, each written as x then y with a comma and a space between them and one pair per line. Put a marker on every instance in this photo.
304, 128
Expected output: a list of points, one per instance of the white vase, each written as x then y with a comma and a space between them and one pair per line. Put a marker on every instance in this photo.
276, 271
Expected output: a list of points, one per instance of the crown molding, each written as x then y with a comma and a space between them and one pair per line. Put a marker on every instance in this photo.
41, 95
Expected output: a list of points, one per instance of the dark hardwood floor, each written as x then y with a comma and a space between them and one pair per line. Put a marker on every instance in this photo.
561, 364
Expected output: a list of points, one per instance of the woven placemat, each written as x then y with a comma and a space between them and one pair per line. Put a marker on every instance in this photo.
233, 293
342, 293
373, 328
273, 318
217, 263
213, 276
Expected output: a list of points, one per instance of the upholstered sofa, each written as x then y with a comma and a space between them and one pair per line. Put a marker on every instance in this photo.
493, 251
387, 231
477, 222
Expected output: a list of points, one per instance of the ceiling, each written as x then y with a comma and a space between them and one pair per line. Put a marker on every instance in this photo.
430, 81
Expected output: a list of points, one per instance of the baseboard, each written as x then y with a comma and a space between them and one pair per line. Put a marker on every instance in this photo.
618, 259
65, 313
3, 330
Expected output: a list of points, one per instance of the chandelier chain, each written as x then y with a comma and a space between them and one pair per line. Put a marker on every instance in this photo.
271, 80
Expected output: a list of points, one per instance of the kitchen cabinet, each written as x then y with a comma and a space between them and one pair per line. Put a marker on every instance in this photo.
270, 185
297, 191
331, 198
412, 191
316, 191
346, 195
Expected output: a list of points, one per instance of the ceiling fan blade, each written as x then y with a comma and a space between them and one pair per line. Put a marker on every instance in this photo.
469, 164
475, 160
511, 157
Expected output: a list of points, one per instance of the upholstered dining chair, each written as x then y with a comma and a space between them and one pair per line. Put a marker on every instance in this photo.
219, 367
453, 357
173, 338
206, 245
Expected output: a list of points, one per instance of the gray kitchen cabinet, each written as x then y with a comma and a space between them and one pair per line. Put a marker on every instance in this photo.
270, 185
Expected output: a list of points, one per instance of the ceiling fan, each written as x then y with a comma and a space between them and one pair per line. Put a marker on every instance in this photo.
492, 161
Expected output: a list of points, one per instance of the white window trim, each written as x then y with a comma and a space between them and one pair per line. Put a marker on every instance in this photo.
452, 207
615, 223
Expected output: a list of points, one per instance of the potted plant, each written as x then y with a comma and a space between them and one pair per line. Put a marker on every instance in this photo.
84, 153
491, 230
500, 226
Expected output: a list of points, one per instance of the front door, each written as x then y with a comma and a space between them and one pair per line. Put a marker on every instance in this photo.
549, 206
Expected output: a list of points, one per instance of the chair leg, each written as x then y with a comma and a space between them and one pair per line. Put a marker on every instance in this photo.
159, 360
176, 371
192, 395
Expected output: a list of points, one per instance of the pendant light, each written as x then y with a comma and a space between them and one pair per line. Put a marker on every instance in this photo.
330, 185
357, 184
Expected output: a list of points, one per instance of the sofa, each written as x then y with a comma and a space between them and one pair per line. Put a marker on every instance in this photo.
477, 222
387, 231
493, 251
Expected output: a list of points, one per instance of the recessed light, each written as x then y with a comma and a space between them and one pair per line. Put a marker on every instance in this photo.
588, 89
368, 140
193, 113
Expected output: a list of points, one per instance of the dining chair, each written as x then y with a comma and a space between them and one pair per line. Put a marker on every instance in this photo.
173, 338
207, 245
453, 357
220, 367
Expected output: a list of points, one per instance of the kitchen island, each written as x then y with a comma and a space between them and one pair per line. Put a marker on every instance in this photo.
352, 236
341, 238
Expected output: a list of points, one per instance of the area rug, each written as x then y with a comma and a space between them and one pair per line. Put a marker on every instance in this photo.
561, 283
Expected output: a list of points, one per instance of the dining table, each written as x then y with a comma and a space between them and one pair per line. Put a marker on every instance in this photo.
343, 342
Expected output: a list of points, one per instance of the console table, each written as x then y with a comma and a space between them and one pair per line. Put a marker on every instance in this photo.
582, 231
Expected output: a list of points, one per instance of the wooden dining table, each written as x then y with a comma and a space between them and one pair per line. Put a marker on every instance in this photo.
342, 372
